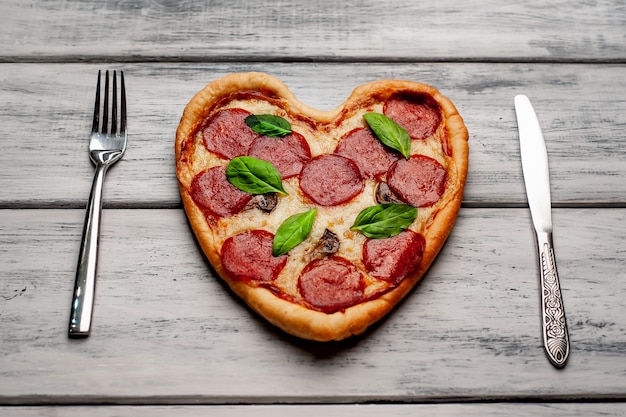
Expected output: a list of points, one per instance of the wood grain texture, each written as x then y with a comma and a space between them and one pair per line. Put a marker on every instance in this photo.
360, 410
166, 331
46, 113
322, 30
170, 339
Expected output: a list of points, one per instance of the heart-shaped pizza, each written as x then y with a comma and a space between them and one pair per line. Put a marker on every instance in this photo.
321, 221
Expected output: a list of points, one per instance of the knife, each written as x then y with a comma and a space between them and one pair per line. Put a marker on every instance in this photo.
537, 182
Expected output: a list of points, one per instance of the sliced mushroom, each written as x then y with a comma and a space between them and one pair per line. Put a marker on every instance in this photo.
385, 195
327, 245
264, 202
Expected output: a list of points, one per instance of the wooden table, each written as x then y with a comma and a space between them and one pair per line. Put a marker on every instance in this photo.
170, 339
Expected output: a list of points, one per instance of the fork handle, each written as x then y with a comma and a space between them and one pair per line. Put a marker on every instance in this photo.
554, 326
85, 285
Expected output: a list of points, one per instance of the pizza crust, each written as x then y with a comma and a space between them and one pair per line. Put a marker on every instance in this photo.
295, 318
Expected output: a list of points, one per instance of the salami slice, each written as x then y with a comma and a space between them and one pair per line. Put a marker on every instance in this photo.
227, 134
211, 190
331, 284
419, 181
331, 179
367, 152
247, 256
394, 258
418, 114
288, 154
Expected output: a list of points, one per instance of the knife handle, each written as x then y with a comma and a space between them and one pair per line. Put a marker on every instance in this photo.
554, 325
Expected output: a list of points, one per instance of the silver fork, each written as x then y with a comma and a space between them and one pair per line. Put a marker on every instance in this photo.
106, 146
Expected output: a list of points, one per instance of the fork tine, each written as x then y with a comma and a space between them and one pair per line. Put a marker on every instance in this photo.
105, 111
96, 107
123, 104
114, 105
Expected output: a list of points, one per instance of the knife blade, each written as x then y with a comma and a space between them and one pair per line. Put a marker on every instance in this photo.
537, 182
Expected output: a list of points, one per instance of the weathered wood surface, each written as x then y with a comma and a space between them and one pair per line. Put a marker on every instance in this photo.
47, 117
167, 331
170, 339
572, 30
360, 410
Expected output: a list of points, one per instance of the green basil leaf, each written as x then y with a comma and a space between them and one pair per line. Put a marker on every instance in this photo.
384, 220
254, 176
389, 133
292, 232
268, 124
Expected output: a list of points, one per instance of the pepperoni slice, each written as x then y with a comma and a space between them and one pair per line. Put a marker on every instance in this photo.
211, 190
419, 181
248, 256
288, 154
227, 134
329, 180
331, 284
394, 258
418, 113
367, 152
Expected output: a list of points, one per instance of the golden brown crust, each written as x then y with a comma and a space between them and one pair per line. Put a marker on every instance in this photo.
294, 317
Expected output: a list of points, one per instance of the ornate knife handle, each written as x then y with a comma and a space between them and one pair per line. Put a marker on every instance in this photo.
554, 325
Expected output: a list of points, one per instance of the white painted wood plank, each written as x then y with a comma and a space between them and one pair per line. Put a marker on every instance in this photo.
360, 410
46, 113
321, 30
167, 332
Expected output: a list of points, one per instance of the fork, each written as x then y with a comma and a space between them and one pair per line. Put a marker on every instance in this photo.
106, 146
